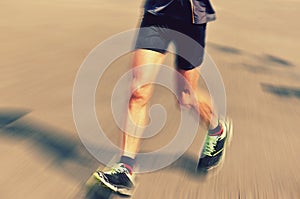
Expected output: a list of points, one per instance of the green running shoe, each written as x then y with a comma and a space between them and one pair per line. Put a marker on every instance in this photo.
213, 152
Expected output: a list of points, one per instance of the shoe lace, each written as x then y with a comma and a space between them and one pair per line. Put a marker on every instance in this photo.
210, 143
118, 169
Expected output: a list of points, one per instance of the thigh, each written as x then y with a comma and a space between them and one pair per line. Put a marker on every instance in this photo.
146, 64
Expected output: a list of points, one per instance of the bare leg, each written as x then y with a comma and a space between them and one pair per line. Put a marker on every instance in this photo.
141, 93
202, 103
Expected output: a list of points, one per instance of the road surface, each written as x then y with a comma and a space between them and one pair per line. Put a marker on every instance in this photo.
255, 45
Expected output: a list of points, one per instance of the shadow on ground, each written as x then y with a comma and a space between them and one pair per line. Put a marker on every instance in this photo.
98, 192
64, 150
265, 61
277, 60
265, 64
48, 140
188, 164
9, 115
281, 91
225, 49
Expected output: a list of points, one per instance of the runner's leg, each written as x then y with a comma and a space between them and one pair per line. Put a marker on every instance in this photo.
193, 96
141, 93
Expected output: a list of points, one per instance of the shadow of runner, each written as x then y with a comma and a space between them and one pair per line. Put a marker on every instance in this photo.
49, 141
188, 164
98, 192
65, 150
66, 153
101, 192
9, 115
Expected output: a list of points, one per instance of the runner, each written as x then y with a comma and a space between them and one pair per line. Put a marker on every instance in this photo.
189, 17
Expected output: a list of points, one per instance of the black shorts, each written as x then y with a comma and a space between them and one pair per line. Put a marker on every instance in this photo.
157, 32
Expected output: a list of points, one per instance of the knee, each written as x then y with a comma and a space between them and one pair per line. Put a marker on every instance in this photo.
140, 96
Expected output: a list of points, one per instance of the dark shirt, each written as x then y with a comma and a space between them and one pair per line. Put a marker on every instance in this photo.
195, 11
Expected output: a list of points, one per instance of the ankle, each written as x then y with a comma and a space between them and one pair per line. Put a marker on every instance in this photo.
218, 130
128, 163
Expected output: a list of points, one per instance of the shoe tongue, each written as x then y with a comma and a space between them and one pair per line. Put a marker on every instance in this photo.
125, 167
121, 167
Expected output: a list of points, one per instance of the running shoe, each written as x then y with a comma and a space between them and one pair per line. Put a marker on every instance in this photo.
214, 148
118, 179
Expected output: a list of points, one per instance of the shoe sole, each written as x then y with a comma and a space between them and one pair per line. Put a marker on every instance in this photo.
229, 125
119, 190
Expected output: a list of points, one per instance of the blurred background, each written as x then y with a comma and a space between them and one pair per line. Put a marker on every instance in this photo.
255, 45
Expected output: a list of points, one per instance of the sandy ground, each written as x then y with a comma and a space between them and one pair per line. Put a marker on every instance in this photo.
255, 45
